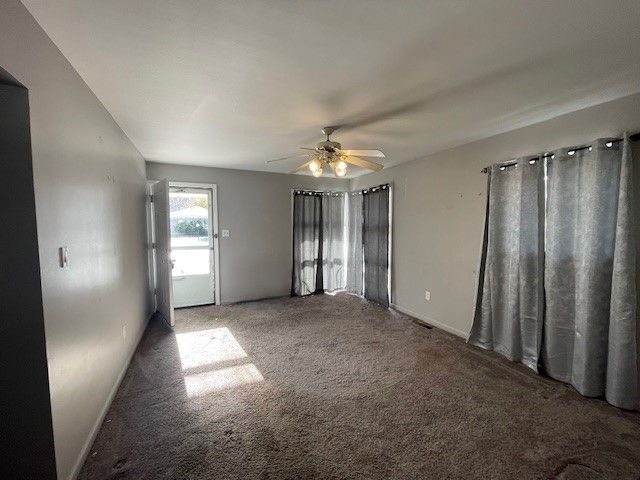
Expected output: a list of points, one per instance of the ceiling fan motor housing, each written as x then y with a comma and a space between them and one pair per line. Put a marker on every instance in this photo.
328, 146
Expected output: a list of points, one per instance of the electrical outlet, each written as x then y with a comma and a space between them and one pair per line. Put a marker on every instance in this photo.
427, 295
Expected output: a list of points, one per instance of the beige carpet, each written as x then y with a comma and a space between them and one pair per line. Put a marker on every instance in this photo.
335, 387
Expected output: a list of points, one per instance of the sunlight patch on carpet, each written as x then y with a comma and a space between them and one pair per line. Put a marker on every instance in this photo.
202, 383
207, 347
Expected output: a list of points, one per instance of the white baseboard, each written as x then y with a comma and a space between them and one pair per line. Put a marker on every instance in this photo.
430, 321
75, 471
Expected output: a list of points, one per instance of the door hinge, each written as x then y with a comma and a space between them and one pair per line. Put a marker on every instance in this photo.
150, 198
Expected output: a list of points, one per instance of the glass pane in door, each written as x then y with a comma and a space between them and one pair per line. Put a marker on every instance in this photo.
189, 214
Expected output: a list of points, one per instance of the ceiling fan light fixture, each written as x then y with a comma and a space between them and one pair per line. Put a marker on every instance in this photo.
340, 169
315, 165
317, 172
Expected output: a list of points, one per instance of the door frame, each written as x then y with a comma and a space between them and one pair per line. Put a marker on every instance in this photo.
151, 250
216, 242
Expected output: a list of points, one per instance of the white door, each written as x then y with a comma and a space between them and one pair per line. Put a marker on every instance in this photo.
164, 287
192, 243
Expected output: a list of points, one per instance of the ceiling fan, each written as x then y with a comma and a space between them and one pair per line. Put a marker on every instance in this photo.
330, 154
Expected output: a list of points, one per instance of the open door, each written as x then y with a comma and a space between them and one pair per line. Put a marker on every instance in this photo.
164, 286
192, 246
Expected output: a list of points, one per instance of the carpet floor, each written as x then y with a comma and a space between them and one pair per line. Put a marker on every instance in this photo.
336, 387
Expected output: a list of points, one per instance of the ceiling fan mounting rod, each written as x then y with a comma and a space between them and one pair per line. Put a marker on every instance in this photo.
328, 131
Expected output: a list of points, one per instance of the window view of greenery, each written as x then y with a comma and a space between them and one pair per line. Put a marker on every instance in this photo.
193, 227
189, 215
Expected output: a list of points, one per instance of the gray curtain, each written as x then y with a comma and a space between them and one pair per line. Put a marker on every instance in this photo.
333, 244
590, 327
354, 272
307, 278
509, 304
375, 239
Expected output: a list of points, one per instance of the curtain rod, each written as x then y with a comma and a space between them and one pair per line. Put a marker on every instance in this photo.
633, 137
302, 191
373, 189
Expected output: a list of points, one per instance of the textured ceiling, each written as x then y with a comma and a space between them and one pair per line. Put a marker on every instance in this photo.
234, 83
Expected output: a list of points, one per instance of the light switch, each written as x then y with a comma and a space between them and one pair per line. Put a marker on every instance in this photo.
225, 233
63, 253
427, 295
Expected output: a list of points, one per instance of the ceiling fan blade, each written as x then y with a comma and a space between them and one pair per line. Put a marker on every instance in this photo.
361, 162
301, 167
363, 153
307, 148
287, 158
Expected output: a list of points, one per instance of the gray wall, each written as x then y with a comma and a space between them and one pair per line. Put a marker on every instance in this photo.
255, 261
89, 190
439, 206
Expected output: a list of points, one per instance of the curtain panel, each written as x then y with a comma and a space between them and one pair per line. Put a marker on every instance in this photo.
307, 277
584, 329
318, 242
333, 242
509, 310
375, 239
355, 253
590, 327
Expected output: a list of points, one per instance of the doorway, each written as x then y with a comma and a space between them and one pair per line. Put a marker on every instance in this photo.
194, 245
28, 438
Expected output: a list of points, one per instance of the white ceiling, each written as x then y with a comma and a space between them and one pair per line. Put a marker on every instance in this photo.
235, 83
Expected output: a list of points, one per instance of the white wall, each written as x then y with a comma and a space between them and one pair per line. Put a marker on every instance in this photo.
255, 261
439, 204
89, 189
